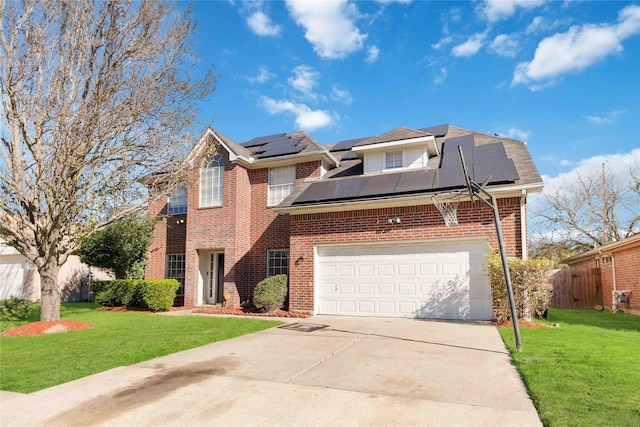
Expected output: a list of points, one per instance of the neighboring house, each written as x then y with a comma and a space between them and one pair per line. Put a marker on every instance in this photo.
19, 278
619, 265
352, 224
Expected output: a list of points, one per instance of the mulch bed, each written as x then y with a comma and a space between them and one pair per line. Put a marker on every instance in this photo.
522, 324
40, 328
251, 312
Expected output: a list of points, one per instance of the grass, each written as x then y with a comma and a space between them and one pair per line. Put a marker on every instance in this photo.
31, 363
583, 372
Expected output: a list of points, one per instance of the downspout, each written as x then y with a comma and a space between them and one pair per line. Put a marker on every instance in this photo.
613, 271
523, 224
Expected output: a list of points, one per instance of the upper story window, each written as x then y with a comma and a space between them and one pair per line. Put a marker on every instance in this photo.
212, 181
393, 160
282, 182
178, 202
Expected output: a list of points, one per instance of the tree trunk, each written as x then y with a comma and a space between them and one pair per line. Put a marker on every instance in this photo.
50, 292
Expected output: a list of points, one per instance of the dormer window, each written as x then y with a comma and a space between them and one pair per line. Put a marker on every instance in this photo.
394, 159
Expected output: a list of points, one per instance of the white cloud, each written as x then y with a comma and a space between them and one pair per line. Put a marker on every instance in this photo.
306, 118
372, 54
393, 1
261, 24
438, 79
471, 46
496, 10
540, 24
341, 95
329, 26
263, 75
607, 119
619, 167
442, 42
577, 49
305, 80
516, 133
504, 45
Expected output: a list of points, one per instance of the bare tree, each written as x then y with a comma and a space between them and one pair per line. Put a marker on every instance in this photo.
597, 209
95, 95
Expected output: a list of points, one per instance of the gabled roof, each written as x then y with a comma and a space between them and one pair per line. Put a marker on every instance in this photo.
504, 163
399, 134
623, 244
266, 151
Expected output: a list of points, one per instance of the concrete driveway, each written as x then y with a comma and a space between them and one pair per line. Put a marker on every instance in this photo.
321, 371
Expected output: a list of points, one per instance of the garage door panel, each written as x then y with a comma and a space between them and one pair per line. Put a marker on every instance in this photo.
385, 289
366, 288
444, 280
409, 289
428, 269
385, 269
406, 269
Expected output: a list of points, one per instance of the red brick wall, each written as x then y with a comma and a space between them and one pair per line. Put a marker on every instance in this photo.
627, 268
371, 225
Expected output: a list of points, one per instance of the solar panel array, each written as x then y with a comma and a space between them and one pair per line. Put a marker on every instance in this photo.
437, 131
346, 145
280, 144
483, 161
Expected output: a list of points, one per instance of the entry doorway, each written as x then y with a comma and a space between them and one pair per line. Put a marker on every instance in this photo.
214, 278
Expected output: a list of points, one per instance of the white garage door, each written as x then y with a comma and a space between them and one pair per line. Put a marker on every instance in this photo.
437, 281
11, 276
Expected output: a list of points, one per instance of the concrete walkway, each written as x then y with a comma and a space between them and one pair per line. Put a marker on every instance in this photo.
321, 371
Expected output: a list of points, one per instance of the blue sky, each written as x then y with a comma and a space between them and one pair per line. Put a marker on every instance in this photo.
563, 76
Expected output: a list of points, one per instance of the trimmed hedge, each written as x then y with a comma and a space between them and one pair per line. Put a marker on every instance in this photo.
269, 294
156, 295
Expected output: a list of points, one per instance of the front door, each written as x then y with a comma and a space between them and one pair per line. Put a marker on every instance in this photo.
214, 284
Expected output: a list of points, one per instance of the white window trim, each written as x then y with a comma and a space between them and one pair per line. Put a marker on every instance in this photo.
278, 192
394, 168
269, 258
212, 172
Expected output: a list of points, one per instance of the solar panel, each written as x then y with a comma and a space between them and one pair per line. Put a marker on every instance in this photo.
261, 140
317, 192
499, 171
346, 145
437, 131
380, 184
450, 177
415, 181
281, 151
350, 155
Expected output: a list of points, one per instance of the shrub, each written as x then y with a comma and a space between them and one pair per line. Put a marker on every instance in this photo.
14, 309
269, 294
157, 295
530, 283
115, 293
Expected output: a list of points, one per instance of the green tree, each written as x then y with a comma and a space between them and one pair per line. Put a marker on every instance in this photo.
120, 247
95, 95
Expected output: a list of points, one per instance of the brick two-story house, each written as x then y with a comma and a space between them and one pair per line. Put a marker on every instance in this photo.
353, 224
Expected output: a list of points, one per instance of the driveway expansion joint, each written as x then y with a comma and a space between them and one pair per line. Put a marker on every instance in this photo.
359, 338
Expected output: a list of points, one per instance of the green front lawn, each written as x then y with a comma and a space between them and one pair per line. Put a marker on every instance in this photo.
583, 372
31, 363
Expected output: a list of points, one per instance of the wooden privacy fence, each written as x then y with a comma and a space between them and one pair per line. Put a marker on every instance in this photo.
579, 288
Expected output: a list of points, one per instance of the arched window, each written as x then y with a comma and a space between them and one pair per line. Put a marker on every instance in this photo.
212, 181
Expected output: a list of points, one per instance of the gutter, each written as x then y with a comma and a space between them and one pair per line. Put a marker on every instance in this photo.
387, 202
